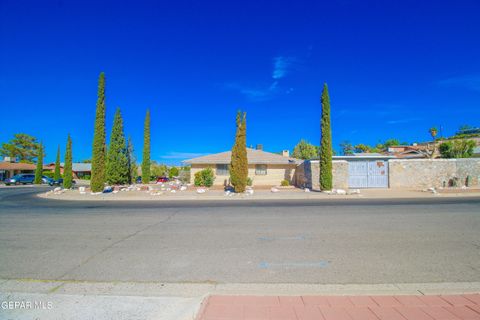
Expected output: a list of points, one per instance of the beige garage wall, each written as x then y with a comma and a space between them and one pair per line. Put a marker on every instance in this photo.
275, 174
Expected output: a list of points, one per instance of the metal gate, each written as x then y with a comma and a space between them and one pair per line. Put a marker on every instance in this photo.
368, 174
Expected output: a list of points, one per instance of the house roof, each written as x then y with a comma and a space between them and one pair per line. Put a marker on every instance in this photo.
254, 157
76, 166
360, 156
18, 166
79, 166
367, 154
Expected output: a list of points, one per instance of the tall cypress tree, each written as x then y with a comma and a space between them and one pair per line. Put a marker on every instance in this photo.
117, 157
67, 169
326, 179
39, 168
56, 174
132, 162
146, 150
99, 148
239, 161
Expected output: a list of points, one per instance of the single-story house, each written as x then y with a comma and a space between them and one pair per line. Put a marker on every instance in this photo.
264, 168
9, 169
79, 169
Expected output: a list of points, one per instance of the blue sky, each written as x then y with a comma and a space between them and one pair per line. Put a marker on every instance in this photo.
394, 69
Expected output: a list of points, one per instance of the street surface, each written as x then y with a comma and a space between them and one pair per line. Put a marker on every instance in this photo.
315, 242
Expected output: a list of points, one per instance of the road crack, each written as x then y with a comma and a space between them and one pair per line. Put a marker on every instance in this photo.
127, 237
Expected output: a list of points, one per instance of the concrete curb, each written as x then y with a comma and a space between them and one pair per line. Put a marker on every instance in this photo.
277, 197
203, 289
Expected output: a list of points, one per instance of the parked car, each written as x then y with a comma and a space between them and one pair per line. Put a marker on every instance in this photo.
26, 178
58, 182
162, 179
46, 180
20, 179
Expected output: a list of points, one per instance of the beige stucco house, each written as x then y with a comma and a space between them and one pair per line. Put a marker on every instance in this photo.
264, 168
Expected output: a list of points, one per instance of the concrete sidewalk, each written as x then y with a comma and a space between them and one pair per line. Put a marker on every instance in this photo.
28, 306
407, 307
172, 301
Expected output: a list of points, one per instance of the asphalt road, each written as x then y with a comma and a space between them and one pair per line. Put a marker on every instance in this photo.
327, 242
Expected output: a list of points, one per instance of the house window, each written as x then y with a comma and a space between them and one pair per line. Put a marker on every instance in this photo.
261, 169
222, 170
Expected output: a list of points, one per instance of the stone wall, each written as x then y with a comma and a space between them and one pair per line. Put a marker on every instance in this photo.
307, 174
403, 173
425, 173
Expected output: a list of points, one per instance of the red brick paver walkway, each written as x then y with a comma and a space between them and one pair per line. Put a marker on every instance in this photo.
444, 307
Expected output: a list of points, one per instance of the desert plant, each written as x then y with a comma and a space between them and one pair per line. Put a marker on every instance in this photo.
325, 143
457, 148
184, 175
173, 172
239, 161
304, 150
57, 175
67, 169
249, 182
39, 168
117, 170
99, 143
285, 183
204, 178
132, 162
146, 150
433, 132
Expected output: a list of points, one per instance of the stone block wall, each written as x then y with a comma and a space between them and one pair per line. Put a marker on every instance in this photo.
425, 173
307, 174
403, 173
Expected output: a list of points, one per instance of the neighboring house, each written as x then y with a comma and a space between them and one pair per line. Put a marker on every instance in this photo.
264, 168
9, 168
407, 152
80, 170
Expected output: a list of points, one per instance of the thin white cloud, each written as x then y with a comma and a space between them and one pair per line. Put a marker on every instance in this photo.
181, 155
255, 93
402, 120
281, 66
471, 82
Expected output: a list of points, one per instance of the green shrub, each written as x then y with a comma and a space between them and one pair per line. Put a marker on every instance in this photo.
48, 174
204, 178
457, 149
173, 172
285, 183
184, 175
249, 182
